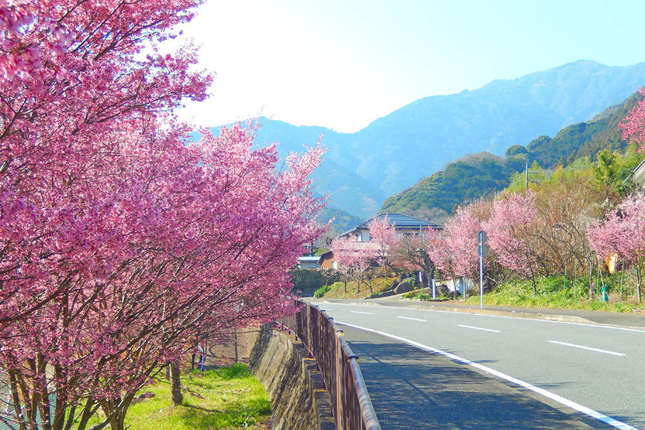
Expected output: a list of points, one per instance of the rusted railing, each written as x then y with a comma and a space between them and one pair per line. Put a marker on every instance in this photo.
351, 402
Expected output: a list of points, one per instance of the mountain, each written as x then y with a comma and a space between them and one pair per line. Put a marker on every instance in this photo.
342, 220
477, 175
473, 176
393, 152
583, 139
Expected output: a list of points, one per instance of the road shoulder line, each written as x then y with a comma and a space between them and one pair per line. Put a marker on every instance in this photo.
559, 399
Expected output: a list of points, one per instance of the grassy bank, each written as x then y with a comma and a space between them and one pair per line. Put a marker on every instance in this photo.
354, 291
226, 398
558, 292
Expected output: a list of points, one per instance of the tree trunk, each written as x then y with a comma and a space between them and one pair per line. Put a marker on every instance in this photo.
175, 383
236, 351
117, 422
16, 400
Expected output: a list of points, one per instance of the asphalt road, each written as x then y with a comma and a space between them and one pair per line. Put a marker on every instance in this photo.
435, 369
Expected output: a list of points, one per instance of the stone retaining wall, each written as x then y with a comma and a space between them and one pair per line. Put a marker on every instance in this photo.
298, 396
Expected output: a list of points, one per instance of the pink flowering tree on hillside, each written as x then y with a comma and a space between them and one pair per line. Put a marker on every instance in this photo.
622, 232
343, 259
460, 234
119, 243
73, 73
633, 125
188, 269
353, 259
411, 254
509, 232
454, 249
383, 234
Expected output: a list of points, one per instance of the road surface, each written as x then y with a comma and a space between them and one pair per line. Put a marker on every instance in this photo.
435, 369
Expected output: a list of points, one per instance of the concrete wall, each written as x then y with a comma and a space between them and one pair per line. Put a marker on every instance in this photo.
294, 384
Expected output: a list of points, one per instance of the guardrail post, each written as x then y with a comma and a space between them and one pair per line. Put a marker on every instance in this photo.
340, 383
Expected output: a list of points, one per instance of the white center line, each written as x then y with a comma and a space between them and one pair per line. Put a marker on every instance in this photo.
410, 318
364, 313
604, 351
479, 328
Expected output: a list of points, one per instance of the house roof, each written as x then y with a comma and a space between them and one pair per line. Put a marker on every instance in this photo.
638, 175
398, 220
309, 259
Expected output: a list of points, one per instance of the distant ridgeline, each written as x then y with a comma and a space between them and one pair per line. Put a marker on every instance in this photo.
343, 220
477, 175
362, 168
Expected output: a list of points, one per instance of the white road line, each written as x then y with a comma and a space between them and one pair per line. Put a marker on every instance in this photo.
588, 348
591, 325
410, 318
478, 328
364, 313
566, 402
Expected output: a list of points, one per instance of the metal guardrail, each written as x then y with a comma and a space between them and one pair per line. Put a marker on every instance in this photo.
351, 403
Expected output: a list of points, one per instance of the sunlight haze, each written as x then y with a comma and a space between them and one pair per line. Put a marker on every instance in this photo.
343, 64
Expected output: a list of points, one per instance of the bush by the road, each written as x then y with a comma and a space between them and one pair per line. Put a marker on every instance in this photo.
558, 292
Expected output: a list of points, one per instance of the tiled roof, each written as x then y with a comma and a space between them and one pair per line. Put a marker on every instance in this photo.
309, 258
400, 221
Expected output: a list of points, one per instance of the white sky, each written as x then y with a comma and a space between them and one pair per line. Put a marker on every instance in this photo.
342, 64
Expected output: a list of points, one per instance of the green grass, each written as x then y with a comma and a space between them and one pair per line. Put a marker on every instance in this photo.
556, 292
226, 398
337, 289
422, 294
320, 292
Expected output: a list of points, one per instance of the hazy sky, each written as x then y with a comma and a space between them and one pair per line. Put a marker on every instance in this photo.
342, 64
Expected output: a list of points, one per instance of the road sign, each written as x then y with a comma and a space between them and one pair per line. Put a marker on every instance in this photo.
481, 236
482, 250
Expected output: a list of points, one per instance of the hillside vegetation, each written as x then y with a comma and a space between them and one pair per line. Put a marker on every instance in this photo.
482, 174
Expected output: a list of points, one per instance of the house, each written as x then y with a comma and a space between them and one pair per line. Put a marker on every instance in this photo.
360, 237
403, 225
638, 175
309, 262
327, 260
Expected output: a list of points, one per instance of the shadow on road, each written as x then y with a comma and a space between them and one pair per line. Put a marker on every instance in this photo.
413, 389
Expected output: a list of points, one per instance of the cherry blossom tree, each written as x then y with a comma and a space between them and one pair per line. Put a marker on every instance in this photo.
354, 258
413, 253
622, 232
120, 243
460, 235
509, 232
383, 234
633, 125
74, 72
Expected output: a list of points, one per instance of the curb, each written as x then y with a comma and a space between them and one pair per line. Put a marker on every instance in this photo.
509, 313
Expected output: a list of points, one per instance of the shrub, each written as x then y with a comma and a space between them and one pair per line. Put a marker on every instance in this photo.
322, 291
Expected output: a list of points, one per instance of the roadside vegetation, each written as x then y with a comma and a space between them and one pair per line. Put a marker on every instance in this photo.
338, 290
226, 398
558, 292
556, 237
424, 294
